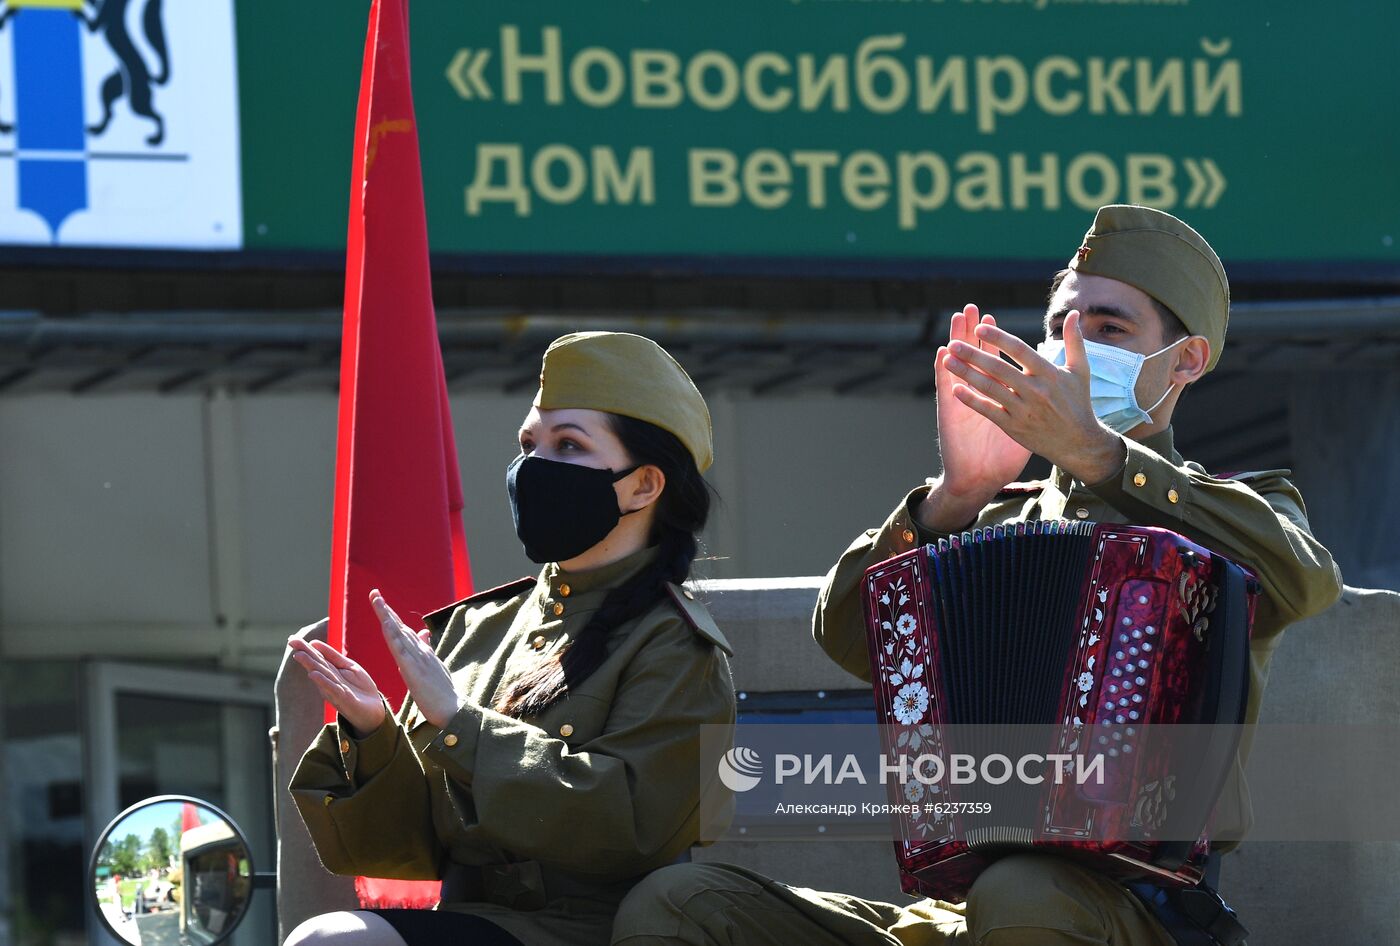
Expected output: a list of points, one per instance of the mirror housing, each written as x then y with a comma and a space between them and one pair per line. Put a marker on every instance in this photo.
172, 869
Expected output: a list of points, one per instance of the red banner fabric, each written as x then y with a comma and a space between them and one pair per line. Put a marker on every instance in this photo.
398, 496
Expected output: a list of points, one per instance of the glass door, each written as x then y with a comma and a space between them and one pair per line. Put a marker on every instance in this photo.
156, 731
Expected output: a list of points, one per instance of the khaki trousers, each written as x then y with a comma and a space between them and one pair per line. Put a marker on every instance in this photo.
1021, 899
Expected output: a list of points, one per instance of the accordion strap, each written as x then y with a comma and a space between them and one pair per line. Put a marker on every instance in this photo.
1194, 916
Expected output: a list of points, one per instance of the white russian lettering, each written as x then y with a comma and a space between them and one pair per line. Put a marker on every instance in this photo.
713, 177
979, 184
542, 174
760, 97
832, 81
865, 179
712, 61
816, 164
1043, 84
513, 191
580, 73
991, 101
933, 85
1077, 176
548, 63
656, 78
636, 182
766, 179
914, 198
873, 63
1022, 179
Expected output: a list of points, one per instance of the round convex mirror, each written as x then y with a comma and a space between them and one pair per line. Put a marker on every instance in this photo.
172, 871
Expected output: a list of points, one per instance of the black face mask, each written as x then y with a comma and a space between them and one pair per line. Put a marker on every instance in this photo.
561, 510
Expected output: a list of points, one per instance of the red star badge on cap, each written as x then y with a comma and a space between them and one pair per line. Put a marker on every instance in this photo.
1084, 251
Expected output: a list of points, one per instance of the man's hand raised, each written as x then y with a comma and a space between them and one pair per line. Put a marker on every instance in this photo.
979, 457
1041, 406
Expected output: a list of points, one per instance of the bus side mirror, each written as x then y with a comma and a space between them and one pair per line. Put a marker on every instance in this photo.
172, 869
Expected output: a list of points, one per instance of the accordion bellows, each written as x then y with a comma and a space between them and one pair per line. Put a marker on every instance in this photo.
1065, 638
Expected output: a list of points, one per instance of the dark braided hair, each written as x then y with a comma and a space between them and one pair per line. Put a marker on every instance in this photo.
681, 512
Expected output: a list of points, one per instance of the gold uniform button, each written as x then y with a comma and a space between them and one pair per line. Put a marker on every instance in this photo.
565, 591
327, 800
1082, 513
1173, 496
345, 746
908, 535
566, 730
558, 609
1140, 479
538, 643
449, 740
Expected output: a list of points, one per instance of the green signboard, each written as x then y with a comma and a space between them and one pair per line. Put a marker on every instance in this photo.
857, 132
846, 129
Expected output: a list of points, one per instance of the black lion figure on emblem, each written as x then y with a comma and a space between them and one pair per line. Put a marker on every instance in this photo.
133, 77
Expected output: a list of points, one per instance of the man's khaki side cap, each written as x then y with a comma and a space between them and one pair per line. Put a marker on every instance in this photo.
1159, 254
629, 375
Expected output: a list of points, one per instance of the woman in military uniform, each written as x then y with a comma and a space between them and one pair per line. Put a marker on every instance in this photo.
549, 753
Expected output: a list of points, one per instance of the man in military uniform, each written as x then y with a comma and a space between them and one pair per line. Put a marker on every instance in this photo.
1139, 314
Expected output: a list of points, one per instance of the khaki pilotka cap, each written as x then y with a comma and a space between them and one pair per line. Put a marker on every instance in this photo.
1159, 254
628, 375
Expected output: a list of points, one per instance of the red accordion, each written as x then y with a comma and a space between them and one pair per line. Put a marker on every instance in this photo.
1088, 637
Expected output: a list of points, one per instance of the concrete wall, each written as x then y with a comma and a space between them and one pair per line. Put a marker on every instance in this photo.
198, 527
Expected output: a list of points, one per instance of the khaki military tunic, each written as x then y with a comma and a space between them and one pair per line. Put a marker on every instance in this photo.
543, 823
1255, 518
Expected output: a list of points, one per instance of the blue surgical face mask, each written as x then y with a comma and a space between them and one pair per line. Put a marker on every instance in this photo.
1113, 375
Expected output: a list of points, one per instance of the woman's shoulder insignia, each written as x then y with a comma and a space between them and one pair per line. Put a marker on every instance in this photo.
698, 617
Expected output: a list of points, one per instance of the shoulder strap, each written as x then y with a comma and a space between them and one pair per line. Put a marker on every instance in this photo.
697, 616
1250, 475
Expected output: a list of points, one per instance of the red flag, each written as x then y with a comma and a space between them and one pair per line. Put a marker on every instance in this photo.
189, 817
398, 496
